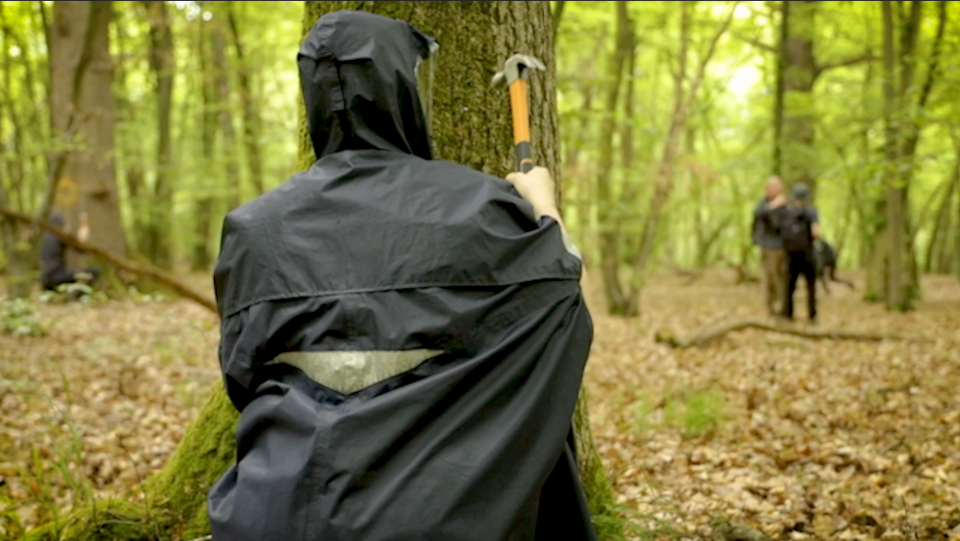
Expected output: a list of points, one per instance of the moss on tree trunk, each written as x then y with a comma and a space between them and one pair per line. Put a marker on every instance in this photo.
471, 126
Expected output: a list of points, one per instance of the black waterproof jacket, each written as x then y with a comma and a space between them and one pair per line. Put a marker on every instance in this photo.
405, 343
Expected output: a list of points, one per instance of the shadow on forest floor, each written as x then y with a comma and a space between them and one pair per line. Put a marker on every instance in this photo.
801, 439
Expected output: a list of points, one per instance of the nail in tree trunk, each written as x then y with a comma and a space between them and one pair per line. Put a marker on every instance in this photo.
157, 238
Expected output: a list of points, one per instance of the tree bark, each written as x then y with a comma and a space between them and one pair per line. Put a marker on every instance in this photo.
477, 37
251, 117
941, 224
609, 235
162, 63
83, 106
896, 298
798, 155
780, 90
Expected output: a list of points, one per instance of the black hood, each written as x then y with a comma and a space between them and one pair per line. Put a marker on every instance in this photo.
57, 219
359, 84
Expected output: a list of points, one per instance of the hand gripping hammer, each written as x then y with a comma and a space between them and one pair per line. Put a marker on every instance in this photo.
514, 75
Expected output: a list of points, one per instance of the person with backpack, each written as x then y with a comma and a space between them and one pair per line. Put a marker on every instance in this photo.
798, 227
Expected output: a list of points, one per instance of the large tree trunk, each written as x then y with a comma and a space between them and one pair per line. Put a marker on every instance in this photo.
477, 37
156, 241
82, 115
797, 153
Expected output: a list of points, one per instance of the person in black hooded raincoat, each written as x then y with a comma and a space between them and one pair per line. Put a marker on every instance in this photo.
404, 337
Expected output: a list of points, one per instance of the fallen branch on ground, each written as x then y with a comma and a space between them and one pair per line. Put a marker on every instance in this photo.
117, 261
708, 334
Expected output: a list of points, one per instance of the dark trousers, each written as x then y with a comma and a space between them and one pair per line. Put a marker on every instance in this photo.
67, 276
801, 264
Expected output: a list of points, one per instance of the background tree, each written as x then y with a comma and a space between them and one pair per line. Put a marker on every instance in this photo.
83, 176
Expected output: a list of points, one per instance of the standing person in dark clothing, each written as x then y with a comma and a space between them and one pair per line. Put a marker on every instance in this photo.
799, 226
766, 236
53, 266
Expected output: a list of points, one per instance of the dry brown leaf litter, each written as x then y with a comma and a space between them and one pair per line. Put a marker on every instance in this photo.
815, 440
800, 439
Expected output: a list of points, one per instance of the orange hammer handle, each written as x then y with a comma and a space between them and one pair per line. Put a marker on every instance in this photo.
521, 124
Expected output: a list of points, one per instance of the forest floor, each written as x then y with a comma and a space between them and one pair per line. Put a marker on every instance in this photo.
799, 439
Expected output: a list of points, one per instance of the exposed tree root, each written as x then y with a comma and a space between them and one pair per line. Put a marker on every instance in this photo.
116, 260
708, 334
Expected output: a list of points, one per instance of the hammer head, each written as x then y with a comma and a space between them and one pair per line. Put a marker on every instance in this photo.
516, 67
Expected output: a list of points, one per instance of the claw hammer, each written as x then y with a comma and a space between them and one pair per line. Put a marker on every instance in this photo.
514, 75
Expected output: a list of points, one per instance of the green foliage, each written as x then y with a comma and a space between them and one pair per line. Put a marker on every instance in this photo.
18, 318
694, 413
170, 504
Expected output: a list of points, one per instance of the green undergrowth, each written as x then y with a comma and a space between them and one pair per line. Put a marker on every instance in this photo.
169, 505
695, 413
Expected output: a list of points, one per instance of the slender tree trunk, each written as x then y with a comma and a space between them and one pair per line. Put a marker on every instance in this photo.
895, 291
17, 253
780, 90
251, 117
574, 173
162, 63
228, 146
130, 147
557, 18
683, 101
798, 155
84, 179
204, 204
609, 235
956, 238
941, 227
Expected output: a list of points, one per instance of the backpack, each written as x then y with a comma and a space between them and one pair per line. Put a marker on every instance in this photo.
795, 230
